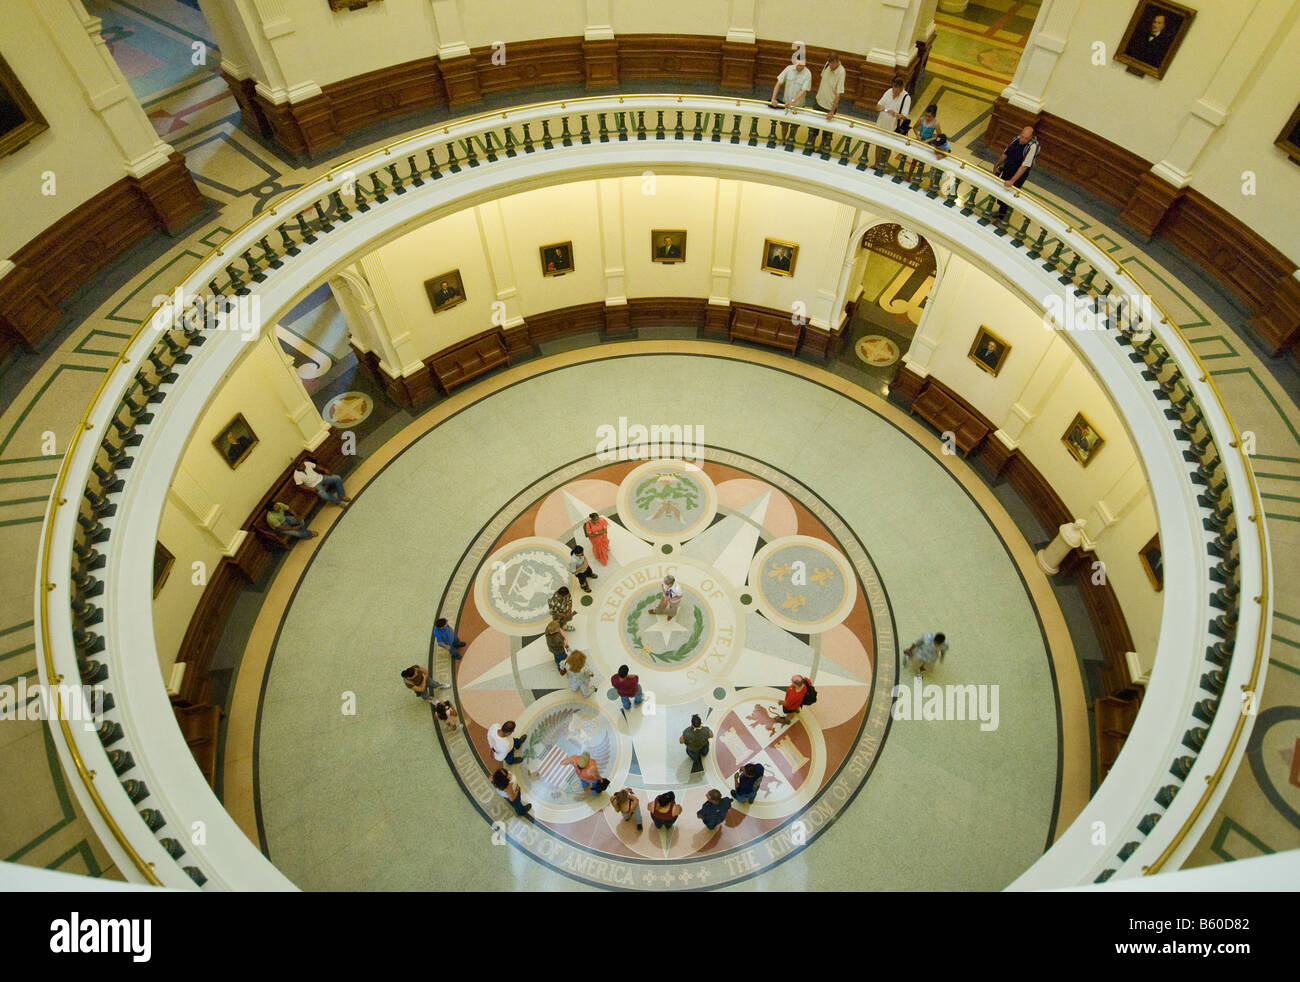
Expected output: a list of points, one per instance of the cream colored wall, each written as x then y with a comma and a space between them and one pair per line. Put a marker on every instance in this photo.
77, 148
844, 25
670, 16
1042, 379
349, 43
1148, 116
486, 21
208, 501
573, 213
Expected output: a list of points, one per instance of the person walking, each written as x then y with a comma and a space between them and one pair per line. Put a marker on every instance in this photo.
795, 696
926, 651
671, 598
508, 788
446, 714
581, 678
696, 737
444, 636
326, 486
714, 809
1014, 164
504, 743
580, 568
628, 687
587, 772
664, 810
627, 804
561, 607
419, 681
596, 529
747, 782
557, 644
282, 520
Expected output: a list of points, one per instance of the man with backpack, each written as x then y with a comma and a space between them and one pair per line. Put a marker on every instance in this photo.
800, 693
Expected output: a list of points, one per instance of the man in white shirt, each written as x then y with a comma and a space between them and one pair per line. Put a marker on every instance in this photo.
797, 82
829, 90
503, 742
672, 598
326, 485
893, 108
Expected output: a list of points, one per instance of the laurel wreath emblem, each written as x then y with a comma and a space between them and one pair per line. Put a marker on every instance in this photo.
633, 622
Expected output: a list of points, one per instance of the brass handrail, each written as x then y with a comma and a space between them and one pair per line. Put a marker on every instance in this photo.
84, 425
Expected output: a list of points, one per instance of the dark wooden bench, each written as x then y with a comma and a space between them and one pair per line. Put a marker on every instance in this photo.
301, 501
200, 726
467, 360
766, 329
947, 415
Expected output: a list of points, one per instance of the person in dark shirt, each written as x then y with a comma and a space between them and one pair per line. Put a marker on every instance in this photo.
747, 782
714, 810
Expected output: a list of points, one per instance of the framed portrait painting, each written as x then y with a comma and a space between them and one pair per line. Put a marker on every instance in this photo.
236, 441
162, 565
668, 245
1154, 33
989, 351
1082, 440
557, 259
20, 120
1288, 140
779, 257
445, 291
1153, 562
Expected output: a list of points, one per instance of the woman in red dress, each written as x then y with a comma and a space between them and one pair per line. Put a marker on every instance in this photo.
596, 530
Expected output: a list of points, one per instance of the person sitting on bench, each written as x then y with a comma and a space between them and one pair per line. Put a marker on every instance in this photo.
327, 486
282, 520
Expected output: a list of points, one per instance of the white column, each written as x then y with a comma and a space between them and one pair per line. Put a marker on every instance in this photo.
205, 512
1261, 22
609, 206
278, 374
893, 19
450, 29
286, 54
406, 361
824, 312
846, 284
76, 35
1119, 500
946, 290
1043, 382
236, 60
1067, 537
501, 268
599, 25
740, 22
726, 215
1041, 54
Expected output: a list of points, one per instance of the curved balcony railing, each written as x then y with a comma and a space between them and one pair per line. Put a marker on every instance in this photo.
108, 498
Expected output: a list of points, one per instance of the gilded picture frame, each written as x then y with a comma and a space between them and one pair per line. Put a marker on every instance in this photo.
780, 257
668, 245
1082, 440
235, 441
20, 120
989, 351
1146, 51
446, 290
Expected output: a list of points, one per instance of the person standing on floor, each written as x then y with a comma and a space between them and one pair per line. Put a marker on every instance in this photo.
508, 788
581, 678
628, 687
747, 782
504, 743
444, 636
447, 716
1014, 164
794, 83
557, 644
418, 680
664, 810
696, 737
794, 697
561, 607
326, 486
627, 804
580, 568
671, 599
588, 774
926, 651
714, 809
829, 90
596, 529
893, 108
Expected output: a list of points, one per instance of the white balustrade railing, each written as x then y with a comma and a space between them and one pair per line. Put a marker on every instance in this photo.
314, 230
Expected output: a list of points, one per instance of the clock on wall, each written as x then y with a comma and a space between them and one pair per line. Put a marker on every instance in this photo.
906, 239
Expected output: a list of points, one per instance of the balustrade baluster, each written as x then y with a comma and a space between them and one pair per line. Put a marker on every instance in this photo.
377, 189
735, 128
289, 247
679, 133
340, 209
453, 164
1068, 275
718, 120
254, 270
659, 124
621, 119
697, 132
547, 143
268, 254
435, 174
566, 137
585, 135
326, 225
398, 186
528, 140
641, 133
771, 134
1054, 260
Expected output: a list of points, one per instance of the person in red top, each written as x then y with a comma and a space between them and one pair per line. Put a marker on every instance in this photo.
794, 696
596, 530
627, 686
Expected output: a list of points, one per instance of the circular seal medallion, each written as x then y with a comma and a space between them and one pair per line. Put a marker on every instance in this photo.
667, 500
348, 409
515, 585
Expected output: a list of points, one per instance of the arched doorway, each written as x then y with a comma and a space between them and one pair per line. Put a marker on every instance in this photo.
895, 269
